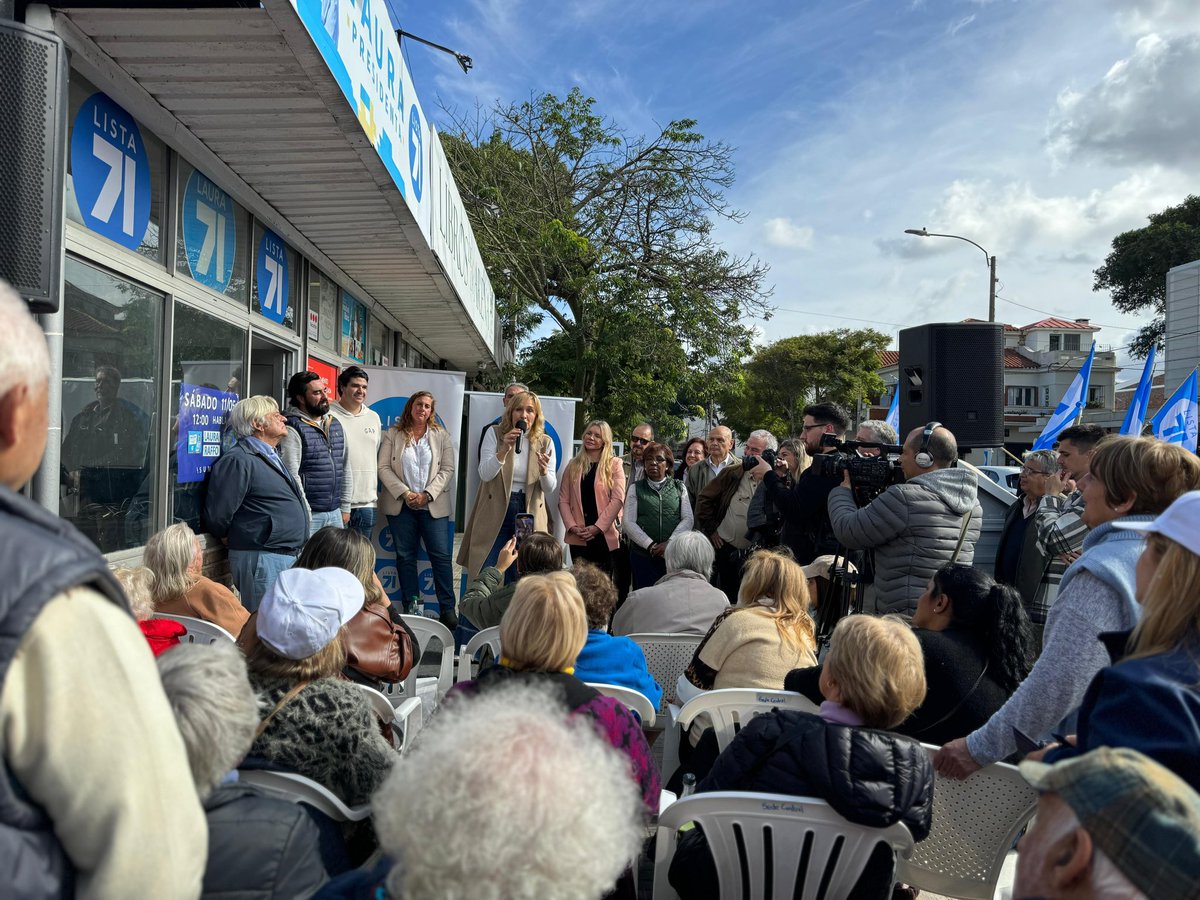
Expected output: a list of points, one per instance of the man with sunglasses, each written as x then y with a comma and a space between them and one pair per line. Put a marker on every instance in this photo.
641, 436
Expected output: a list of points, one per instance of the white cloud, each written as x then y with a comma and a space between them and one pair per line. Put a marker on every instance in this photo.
783, 232
960, 25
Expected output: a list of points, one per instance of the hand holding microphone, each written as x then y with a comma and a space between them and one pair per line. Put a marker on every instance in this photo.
522, 427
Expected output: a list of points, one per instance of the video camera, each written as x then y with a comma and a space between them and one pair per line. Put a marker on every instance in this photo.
870, 476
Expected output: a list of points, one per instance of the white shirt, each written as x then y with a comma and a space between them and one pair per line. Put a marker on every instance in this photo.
490, 466
415, 462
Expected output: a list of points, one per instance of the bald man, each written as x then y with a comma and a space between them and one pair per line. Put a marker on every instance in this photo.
917, 527
720, 456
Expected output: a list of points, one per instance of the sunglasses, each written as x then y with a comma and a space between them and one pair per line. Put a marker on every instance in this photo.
639, 440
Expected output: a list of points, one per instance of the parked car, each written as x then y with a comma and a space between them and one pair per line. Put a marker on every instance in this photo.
1008, 477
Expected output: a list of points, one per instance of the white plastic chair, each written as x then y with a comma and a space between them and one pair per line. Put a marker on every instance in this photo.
198, 631
489, 637
974, 825
427, 630
298, 789
667, 656
812, 851
400, 717
728, 709
637, 702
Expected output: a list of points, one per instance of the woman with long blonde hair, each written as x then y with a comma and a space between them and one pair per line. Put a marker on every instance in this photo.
1149, 699
591, 497
417, 460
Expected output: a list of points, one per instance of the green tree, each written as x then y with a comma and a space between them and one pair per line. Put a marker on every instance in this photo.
609, 236
783, 377
1135, 271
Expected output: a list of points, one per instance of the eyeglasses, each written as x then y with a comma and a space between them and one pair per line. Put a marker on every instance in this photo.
650, 459
1025, 471
811, 427
639, 440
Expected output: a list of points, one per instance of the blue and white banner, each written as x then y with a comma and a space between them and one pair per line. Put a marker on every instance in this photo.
110, 171
1175, 423
893, 415
1135, 416
1069, 408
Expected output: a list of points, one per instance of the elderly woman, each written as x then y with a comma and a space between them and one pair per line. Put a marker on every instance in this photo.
518, 470
314, 723
591, 497
1131, 480
257, 845
606, 659
174, 556
416, 469
655, 509
1149, 699
541, 635
683, 601
138, 584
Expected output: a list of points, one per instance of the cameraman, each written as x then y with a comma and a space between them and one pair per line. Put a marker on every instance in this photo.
917, 527
806, 530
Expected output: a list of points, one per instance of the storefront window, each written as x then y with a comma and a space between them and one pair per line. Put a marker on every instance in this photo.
112, 335
354, 329
214, 235
116, 172
380, 345
207, 375
276, 293
323, 304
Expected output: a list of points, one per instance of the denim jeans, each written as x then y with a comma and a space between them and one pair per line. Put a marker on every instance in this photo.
362, 520
516, 504
410, 529
646, 569
254, 571
320, 520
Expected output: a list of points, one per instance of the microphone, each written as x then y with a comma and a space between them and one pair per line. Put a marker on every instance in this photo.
522, 426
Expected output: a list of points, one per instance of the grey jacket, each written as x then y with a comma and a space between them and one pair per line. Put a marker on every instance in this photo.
913, 529
678, 603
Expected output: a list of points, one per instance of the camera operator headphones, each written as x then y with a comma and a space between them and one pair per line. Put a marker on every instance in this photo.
923, 457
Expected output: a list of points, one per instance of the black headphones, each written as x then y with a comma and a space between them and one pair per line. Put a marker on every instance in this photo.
923, 457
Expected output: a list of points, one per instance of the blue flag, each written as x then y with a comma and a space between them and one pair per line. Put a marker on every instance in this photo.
1136, 414
1175, 423
1069, 407
893, 416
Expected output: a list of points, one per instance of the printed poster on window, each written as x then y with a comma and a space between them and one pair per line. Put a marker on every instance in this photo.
354, 329
202, 415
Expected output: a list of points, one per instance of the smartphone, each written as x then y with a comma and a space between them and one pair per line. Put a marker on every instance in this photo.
1025, 744
524, 526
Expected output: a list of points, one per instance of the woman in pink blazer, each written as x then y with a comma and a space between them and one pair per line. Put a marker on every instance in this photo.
591, 497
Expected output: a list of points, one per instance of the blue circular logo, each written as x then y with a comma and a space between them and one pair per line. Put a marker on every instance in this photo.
416, 155
272, 277
110, 171
209, 232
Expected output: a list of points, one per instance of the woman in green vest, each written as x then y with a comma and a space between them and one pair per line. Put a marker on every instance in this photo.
656, 509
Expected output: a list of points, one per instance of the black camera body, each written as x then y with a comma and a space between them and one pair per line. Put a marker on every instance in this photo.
750, 462
870, 476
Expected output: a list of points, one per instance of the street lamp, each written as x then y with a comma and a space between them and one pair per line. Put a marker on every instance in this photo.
463, 60
991, 261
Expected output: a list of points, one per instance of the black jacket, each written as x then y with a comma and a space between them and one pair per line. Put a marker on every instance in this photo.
805, 511
254, 504
260, 846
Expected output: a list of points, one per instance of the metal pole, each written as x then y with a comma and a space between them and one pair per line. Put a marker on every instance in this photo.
992, 290
45, 480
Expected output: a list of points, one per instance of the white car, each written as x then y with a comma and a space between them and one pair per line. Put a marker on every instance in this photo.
1008, 477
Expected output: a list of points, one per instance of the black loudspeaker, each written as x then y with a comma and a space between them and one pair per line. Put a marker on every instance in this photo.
953, 373
33, 140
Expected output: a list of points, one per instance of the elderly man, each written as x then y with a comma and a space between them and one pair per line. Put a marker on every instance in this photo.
720, 457
641, 435
682, 601
915, 528
253, 504
89, 744
363, 430
722, 508
315, 452
1110, 824
875, 431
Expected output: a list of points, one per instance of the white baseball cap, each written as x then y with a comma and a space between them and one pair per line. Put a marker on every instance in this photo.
1180, 522
303, 610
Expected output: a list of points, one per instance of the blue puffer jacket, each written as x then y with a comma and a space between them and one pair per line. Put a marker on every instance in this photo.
322, 463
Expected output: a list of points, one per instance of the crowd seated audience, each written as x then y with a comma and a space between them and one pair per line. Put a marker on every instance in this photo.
847, 756
180, 589
1131, 480
314, 723
605, 658
488, 596
138, 584
258, 846
1111, 824
1149, 699
682, 601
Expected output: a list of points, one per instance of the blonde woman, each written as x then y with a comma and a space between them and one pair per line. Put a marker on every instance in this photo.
517, 471
416, 470
591, 497
174, 556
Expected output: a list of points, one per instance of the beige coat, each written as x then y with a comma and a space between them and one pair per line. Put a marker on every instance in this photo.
441, 472
491, 505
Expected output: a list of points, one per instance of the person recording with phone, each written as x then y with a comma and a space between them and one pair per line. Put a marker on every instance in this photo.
488, 596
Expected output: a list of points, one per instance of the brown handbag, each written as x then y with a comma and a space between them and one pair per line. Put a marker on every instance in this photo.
377, 647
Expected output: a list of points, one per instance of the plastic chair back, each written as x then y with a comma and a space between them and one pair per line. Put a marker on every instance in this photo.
198, 631
638, 703
489, 637
974, 825
298, 789
776, 845
667, 656
427, 631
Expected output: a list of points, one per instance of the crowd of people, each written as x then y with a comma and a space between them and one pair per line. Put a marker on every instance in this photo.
127, 753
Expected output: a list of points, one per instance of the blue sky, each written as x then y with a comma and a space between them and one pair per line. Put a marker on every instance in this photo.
1039, 129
